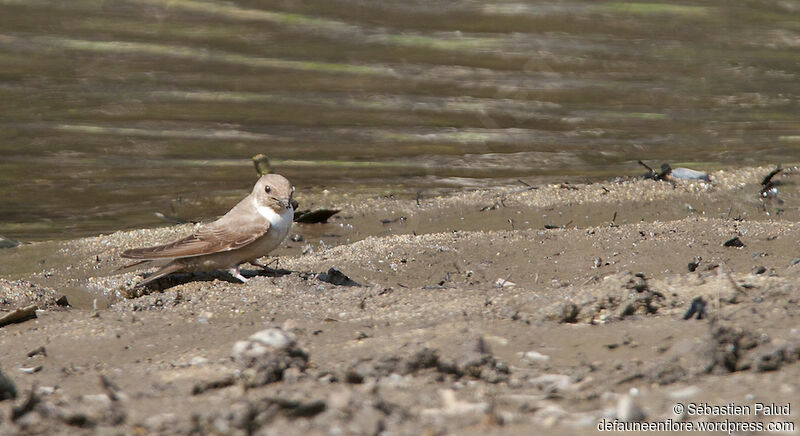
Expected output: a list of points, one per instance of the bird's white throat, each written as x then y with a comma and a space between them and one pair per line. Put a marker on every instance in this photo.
278, 221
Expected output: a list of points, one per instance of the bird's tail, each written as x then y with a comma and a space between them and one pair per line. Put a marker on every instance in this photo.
167, 269
125, 268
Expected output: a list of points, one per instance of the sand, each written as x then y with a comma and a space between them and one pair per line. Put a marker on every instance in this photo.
551, 308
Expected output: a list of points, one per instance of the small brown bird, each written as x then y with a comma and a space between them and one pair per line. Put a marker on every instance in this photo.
250, 230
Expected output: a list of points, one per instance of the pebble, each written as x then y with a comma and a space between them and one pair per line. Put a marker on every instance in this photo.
260, 342
535, 356
452, 406
503, 283
684, 393
628, 410
204, 317
267, 355
551, 382
689, 174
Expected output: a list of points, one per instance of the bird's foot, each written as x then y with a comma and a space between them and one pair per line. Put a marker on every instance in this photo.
236, 274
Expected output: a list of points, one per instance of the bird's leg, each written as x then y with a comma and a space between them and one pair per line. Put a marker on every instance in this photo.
234, 271
258, 264
255, 262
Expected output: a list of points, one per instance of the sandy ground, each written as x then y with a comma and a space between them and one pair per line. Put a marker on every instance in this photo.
511, 311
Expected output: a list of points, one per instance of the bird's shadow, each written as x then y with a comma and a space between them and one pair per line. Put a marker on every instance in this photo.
177, 279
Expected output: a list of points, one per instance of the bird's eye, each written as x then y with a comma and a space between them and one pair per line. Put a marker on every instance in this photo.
267, 189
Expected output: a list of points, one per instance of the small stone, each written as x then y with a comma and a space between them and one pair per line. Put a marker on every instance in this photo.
7, 243
198, 360
535, 356
204, 317
551, 382
453, 407
336, 277
31, 370
769, 359
503, 283
628, 410
267, 354
37, 351
684, 393
734, 242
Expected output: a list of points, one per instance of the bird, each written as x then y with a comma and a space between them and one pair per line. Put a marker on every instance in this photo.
251, 229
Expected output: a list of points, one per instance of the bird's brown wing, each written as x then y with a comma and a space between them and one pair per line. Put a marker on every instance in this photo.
216, 237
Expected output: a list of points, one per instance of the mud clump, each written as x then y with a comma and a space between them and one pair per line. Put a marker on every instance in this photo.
616, 298
774, 355
477, 362
246, 416
266, 355
336, 277
348, 410
723, 349
44, 409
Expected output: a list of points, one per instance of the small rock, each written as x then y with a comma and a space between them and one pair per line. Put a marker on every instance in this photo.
204, 317
453, 407
266, 354
628, 410
336, 277
478, 361
7, 243
734, 242
689, 174
503, 283
551, 382
46, 390
161, 423
769, 359
535, 356
31, 370
666, 371
207, 385
684, 393
569, 313
36, 351
198, 360
292, 375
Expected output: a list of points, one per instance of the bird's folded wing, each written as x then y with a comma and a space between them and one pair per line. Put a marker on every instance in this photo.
212, 238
